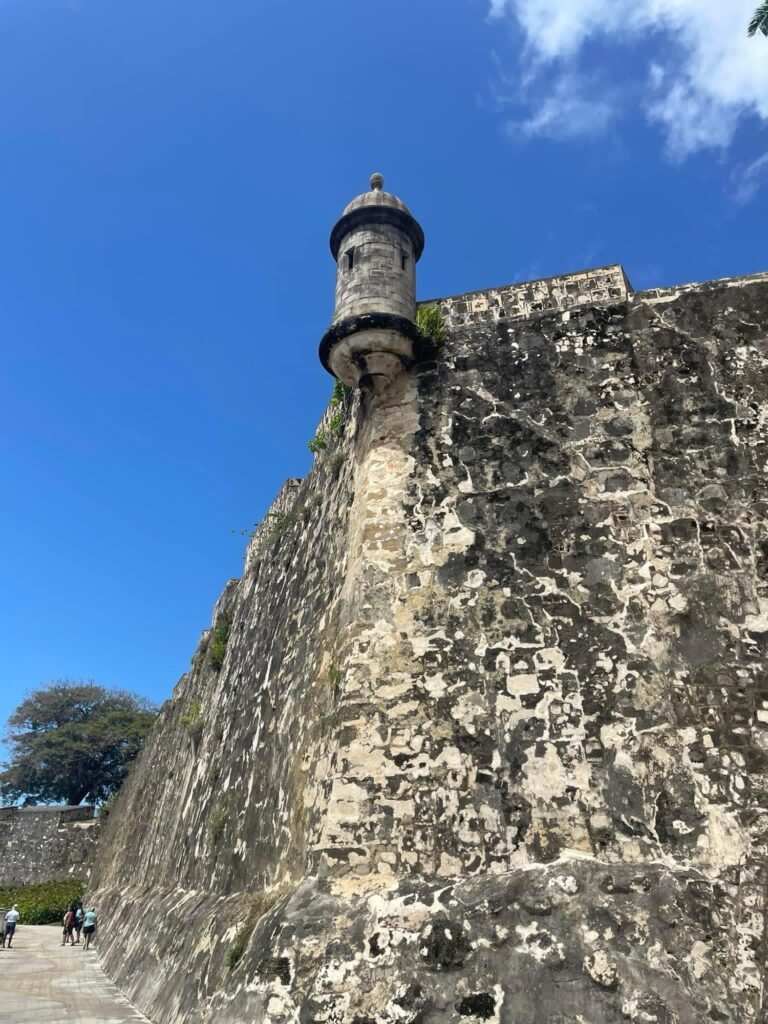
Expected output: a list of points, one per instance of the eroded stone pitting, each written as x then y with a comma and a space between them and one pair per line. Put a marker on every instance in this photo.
489, 738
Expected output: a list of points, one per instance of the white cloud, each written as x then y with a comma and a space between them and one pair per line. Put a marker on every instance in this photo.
747, 180
706, 75
568, 111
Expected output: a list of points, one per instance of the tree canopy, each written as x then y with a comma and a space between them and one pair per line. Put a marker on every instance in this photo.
72, 741
759, 21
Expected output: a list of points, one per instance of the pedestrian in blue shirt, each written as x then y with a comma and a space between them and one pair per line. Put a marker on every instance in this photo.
89, 927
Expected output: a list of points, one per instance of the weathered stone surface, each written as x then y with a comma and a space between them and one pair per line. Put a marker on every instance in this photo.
531, 298
489, 740
42, 844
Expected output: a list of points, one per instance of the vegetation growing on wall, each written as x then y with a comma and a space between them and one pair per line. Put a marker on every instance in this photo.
334, 428
199, 656
44, 903
261, 904
281, 521
217, 647
430, 322
239, 944
332, 431
217, 822
341, 392
192, 719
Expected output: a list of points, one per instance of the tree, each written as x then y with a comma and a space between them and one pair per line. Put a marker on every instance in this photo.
71, 741
759, 21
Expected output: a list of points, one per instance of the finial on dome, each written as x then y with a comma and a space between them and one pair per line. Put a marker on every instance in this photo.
377, 181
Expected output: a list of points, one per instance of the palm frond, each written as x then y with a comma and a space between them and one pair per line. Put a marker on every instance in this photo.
759, 21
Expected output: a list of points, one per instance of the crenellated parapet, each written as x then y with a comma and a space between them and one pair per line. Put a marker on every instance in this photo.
597, 287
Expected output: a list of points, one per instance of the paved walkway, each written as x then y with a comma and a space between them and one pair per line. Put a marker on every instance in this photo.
41, 981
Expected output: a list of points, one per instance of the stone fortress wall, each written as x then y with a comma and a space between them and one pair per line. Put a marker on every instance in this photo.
529, 298
490, 738
43, 844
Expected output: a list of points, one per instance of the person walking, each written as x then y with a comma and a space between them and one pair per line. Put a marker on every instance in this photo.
69, 927
89, 927
11, 918
78, 924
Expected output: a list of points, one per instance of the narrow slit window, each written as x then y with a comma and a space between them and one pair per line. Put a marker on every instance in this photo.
350, 257
403, 261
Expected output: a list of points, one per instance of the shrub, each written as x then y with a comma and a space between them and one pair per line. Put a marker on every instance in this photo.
217, 822
199, 656
282, 521
430, 322
239, 944
219, 640
341, 393
333, 430
44, 903
336, 426
324, 436
261, 903
191, 719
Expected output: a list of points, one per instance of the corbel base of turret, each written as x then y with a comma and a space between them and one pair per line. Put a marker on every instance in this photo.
370, 350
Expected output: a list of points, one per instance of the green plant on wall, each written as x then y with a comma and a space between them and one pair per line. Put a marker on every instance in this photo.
192, 719
217, 647
282, 521
430, 322
198, 657
341, 392
334, 428
261, 904
318, 443
218, 822
238, 945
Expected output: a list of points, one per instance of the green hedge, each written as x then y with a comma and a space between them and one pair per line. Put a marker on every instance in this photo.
45, 903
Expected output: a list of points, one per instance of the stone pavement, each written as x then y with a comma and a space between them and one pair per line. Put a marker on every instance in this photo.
41, 980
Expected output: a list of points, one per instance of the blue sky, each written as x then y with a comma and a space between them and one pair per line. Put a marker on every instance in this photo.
169, 174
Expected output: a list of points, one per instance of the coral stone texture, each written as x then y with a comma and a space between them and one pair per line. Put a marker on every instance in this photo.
44, 844
488, 741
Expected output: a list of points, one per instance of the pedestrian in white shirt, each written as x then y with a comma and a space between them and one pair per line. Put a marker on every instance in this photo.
10, 924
